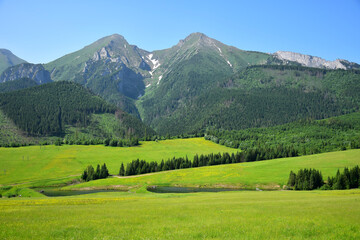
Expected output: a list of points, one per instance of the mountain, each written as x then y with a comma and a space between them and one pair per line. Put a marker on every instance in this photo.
201, 83
110, 67
315, 62
8, 59
187, 70
259, 96
65, 108
35, 72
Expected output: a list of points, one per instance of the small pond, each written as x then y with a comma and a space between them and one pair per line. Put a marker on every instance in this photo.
161, 189
61, 193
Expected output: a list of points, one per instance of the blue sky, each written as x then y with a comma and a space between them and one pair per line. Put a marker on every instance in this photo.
41, 31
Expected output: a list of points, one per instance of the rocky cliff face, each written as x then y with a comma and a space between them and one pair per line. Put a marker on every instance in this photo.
26, 70
309, 61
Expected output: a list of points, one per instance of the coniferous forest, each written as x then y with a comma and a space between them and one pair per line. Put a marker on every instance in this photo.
46, 109
306, 136
309, 179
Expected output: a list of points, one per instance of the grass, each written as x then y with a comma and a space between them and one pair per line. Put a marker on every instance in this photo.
139, 214
226, 215
35, 165
264, 174
10, 133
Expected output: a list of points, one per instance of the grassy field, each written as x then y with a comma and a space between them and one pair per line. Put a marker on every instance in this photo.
225, 215
264, 174
37, 165
139, 214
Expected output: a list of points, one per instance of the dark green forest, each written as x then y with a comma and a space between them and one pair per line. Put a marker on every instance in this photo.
259, 96
309, 179
68, 109
17, 85
304, 136
46, 109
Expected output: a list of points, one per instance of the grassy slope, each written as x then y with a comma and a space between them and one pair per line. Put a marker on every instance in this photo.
10, 133
49, 163
231, 215
265, 174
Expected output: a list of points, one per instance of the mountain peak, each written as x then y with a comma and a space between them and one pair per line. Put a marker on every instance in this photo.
196, 39
109, 39
8, 59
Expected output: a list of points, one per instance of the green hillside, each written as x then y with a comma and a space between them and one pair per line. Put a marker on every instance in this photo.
305, 136
110, 67
271, 174
38, 165
259, 96
60, 108
11, 135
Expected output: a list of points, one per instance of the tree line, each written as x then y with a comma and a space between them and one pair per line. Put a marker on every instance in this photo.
309, 179
137, 166
306, 179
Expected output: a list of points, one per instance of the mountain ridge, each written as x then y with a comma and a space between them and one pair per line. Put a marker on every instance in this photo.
8, 59
163, 87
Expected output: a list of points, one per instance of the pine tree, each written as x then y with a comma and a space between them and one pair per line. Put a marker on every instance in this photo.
84, 175
292, 179
104, 173
97, 172
122, 170
90, 173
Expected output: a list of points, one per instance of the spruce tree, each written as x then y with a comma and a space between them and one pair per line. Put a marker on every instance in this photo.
97, 173
292, 179
122, 170
90, 173
104, 173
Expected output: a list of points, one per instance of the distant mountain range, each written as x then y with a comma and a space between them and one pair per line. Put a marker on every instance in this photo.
202, 83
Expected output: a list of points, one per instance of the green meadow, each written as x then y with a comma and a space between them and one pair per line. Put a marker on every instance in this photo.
43, 165
225, 215
269, 174
139, 214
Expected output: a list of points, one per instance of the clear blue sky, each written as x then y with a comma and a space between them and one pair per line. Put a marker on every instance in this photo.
41, 31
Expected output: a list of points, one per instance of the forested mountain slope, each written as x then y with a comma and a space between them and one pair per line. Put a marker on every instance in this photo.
302, 137
50, 109
17, 85
260, 96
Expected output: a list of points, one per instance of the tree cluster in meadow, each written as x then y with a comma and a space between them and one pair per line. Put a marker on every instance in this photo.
349, 178
306, 179
309, 179
91, 174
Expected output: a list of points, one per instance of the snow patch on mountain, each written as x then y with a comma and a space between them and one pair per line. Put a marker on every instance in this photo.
159, 80
155, 62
